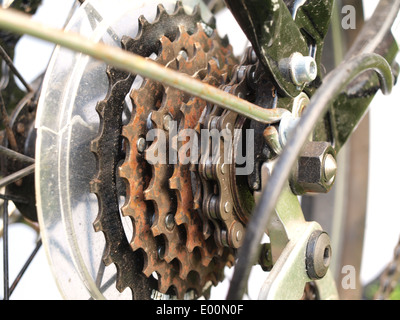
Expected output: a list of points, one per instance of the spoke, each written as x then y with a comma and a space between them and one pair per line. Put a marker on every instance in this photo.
107, 285
25, 267
13, 155
13, 198
5, 252
6, 121
17, 175
100, 272
6, 58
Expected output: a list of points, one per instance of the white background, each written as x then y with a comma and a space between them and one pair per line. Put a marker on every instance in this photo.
383, 222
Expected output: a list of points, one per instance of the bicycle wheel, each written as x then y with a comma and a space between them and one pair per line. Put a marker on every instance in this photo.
18, 100
75, 130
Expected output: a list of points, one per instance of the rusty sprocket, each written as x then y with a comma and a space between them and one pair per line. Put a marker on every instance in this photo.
183, 42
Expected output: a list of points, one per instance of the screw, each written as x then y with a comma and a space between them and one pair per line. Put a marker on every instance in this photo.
149, 123
301, 69
141, 144
167, 119
318, 255
316, 169
184, 55
161, 252
170, 222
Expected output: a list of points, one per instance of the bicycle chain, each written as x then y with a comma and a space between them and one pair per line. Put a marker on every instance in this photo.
183, 268
220, 204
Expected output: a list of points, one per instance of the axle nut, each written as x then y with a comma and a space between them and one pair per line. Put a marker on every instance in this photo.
316, 169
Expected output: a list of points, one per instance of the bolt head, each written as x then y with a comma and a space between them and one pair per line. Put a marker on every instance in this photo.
303, 69
316, 169
161, 252
318, 255
141, 144
166, 121
170, 222
184, 54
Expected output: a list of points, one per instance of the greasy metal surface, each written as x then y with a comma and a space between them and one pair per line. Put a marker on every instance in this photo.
182, 261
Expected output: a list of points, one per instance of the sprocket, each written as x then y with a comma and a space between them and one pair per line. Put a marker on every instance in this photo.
179, 257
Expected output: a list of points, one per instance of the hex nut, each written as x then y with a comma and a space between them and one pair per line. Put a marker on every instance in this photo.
316, 169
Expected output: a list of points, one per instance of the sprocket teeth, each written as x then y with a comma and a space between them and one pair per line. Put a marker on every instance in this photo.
107, 259
125, 41
196, 11
174, 183
179, 9
143, 23
94, 146
97, 225
150, 194
100, 108
94, 186
161, 13
156, 192
124, 171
